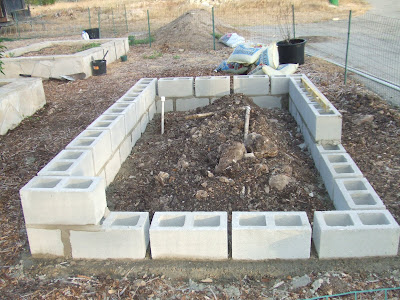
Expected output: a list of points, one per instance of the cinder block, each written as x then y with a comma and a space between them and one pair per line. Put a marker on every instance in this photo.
124, 235
98, 142
355, 194
143, 122
325, 125
152, 110
63, 200
267, 101
270, 235
176, 87
128, 110
335, 166
212, 86
46, 242
344, 234
114, 123
70, 163
112, 167
189, 235
318, 149
136, 134
251, 85
168, 105
185, 104
125, 149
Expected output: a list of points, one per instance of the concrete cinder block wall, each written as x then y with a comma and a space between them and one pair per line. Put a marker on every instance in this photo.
107, 142
19, 98
58, 65
189, 235
344, 234
270, 235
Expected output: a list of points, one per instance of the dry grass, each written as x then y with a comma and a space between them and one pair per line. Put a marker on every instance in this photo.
243, 12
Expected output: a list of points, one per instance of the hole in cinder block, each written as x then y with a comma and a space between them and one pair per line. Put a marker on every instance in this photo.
343, 169
83, 143
71, 155
126, 220
102, 124
60, 166
92, 134
78, 184
373, 219
337, 158
363, 199
354, 185
172, 221
252, 220
206, 221
288, 220
46, 183
330, 147
338, 220
116, 110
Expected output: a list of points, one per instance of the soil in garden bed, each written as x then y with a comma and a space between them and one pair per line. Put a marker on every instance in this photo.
199, 164
61, 50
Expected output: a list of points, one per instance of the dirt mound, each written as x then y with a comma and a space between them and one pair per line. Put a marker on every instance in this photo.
192, 30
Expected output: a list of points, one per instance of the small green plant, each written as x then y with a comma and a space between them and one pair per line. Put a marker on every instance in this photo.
156, 54
133, 41
2, 48
176, 57
88, 46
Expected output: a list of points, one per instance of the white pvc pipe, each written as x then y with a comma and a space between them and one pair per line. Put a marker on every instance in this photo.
162, 114
246, 122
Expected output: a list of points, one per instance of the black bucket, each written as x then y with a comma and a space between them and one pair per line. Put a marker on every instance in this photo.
291, 53
94, 33
99, 67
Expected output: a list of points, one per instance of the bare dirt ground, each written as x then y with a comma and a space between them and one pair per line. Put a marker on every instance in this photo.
370, 134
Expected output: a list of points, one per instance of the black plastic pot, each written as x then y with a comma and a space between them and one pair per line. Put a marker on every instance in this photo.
94, 33
292, 52
99, 67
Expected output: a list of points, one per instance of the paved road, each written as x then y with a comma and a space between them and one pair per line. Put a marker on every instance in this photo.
374, 43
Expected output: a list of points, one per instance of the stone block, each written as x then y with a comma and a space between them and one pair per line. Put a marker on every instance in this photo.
128, 110
189, 235
112, 167
123, 235
98, 142
270, 235
185, 104
335, 166
212, 86
251, 85
355, 194
345, 234
115, 124
267, 101
63, 200
45, 242
177, 87
70, 163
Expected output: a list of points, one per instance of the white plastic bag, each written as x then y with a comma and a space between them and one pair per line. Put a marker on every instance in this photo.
232, 40
285, 69
245, 55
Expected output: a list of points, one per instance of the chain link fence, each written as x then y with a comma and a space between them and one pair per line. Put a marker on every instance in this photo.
374, 41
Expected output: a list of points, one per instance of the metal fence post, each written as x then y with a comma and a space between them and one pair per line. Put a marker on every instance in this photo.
126, 20
213, 26
148, 24
347, 49
98, 17
90, 23
294, 24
